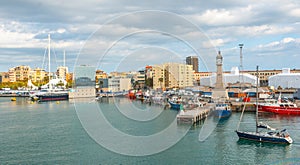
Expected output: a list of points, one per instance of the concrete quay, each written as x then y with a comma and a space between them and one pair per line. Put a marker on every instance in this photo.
194, 115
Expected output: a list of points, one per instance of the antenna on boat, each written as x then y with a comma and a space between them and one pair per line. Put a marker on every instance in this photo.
49, 61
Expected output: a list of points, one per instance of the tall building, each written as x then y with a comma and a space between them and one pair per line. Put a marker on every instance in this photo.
62, 72
84, 76
172, 75
139, 78
158, 76
193, 60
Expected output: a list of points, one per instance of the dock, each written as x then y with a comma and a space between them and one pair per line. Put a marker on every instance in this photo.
194, 115
238, 106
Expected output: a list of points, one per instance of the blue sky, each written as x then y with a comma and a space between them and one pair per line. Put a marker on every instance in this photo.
127, 35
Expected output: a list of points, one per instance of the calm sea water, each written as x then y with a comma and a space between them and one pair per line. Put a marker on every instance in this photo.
51, 133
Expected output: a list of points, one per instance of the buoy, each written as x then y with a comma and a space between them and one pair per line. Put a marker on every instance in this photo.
13, 99
57, 102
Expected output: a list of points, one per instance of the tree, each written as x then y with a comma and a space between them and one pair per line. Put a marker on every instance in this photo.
161, 80
149, 82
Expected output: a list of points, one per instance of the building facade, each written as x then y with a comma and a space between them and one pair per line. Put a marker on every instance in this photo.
193, 60
4, 77
62, 72
19, 73
38, 75
114, 84
172, 75
158, 76
85, 85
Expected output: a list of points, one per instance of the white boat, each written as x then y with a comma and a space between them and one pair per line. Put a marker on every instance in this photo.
51, 94
270, 135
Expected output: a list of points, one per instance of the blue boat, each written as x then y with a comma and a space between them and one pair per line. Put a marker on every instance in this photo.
222, 110
270, 136
175, 106
53, 97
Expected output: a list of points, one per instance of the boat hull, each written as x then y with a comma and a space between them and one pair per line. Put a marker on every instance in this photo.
263, 137
222, 113
53, 97
175, 106
222, 110
282, 110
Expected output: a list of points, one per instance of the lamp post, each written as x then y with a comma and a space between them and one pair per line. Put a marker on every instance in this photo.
241, 56
241, 65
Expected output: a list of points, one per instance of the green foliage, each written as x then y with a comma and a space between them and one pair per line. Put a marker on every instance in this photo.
149, 82
13, 85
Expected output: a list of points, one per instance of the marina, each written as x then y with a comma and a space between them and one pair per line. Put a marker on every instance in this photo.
136, 82
28, 138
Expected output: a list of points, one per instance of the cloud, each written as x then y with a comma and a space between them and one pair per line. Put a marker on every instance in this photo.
282, 44
260, 25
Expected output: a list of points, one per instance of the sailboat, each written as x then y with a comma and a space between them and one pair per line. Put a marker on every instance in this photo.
269, 134
50, 94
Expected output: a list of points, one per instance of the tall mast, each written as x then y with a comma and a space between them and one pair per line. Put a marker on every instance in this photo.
49, 69
256, 108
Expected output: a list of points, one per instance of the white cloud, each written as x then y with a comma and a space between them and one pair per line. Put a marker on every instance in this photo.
61, 30
250, 31
282, 44
254, 23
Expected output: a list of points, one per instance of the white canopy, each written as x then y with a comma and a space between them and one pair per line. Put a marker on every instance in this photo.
285, 79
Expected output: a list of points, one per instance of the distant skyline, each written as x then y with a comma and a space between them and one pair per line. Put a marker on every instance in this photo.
128, 35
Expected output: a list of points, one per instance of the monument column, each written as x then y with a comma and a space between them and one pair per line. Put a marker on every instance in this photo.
219, 91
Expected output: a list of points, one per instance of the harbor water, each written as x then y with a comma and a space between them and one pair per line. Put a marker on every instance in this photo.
52, 133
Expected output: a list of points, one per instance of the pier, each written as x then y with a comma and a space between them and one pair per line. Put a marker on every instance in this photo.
194, 115
238, 106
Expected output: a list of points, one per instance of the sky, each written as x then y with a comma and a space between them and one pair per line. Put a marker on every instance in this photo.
118, 35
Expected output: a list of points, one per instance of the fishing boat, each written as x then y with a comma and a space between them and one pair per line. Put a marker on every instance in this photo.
268, 134
175, 102
51, 94
175, 106
280, 107
283, 110
222, 110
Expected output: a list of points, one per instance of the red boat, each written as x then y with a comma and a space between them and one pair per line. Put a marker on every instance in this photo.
279, 107
287, 109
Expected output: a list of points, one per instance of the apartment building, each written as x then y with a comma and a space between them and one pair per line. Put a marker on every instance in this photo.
62, 72
193, 60
38, 75
4, 77
19, 73
172, 75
